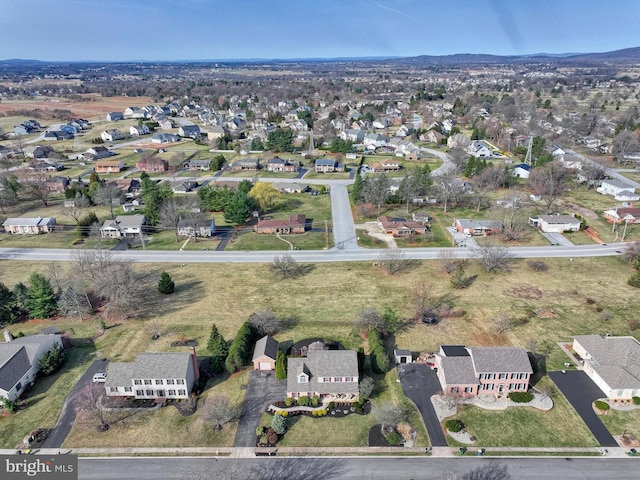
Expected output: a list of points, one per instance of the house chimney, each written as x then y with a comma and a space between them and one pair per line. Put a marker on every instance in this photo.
194, 359
7, 336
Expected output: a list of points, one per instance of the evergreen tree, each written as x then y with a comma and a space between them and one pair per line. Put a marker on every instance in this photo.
279, 424
238, 209
281, 366
52, 360
356, 188
166, 285
41, 299
217, 346
7, 305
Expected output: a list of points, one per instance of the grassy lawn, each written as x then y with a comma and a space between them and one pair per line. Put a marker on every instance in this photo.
164, 427
311, 174
618, 422
166, 240
253, 241
352, 430
526, 427
258, 174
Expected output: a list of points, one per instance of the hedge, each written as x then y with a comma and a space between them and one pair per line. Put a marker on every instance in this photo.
601, 405
521, 397
454, 425
635, 400
240, 349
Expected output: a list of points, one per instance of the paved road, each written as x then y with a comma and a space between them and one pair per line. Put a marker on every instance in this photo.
311, 256
612, 172
388, 468
419, 383
581, 393
344, 230
447, 163
71, 406
263, 390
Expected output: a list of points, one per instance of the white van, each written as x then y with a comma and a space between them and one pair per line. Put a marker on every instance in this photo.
100, 377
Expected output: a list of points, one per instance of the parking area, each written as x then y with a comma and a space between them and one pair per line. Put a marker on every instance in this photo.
581, 392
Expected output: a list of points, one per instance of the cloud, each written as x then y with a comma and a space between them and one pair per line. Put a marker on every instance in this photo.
394, 10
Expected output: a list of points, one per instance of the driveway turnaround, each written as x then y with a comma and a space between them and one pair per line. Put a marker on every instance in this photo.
71, 406
581, 393
419, 383
263, 390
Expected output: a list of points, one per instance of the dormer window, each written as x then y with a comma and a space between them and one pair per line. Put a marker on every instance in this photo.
303, 378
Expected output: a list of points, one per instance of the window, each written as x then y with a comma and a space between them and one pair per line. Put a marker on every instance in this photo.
127, 389
454, 389
113, 389
521, 386
514, 376
147, 382
489, 386
180, 381
512, 386
502, 376
139, 393
491, 376
172, 392
170, 381
18, 386
468, 389
159, 382
523, 376
182, 392
149, 392
137, 382
302, 378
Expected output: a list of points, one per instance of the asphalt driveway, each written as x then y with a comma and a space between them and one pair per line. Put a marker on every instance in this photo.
263, 390
581, 393
71, 406
419, 383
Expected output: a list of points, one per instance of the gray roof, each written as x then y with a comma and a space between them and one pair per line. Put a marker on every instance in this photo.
28, 222
125, 221
149, 365
479, 224
14, 363
458, 371
618, 184
615, 359
324, 363
268, 346
559, 219
500, 360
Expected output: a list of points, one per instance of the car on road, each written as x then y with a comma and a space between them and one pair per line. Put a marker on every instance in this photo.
99, 377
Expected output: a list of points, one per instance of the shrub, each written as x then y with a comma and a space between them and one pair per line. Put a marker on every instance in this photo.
9, 405
281, 366
537, 266
589, 301
601, 405
264, 439
260, 431
635, 400
521, 397
303, 401
394, 438
288, 401
634, 325
315, 401
331, 405
278, 424
165, 284
454, 425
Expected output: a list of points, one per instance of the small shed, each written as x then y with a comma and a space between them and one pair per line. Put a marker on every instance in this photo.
402, 356
265, 353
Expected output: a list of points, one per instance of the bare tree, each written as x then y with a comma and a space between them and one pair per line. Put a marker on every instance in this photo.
549, 182
393, 260
369, 318
285, 266
493, 257
503, 322
75, 212
74, 297
109, 194
124, 290
451, 400
424, 300
448, 260
591, 175
90, 402
448, 189
265, 322
513, 213
486, 182
390, 415
623, 143
376, 189
414, 184
631, 251
219, 410
154, 328
36, 186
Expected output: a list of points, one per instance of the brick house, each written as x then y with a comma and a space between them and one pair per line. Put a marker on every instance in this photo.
477, 227
245, 164
29, 226
153, 164
472, 371
401, 227
295, 224
280, 165
109, 166
621, 215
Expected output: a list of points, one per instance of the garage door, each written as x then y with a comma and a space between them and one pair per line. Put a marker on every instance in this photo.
265, 365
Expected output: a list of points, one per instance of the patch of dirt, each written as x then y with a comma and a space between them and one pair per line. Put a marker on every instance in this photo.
540, 313
524, 290
591, 233
585, 212
627, 440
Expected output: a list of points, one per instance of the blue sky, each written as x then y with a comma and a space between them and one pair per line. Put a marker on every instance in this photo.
112, 30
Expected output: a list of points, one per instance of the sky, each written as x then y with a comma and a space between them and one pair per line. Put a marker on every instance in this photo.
124, 30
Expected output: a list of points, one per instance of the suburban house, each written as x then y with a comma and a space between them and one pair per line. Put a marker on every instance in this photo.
385, 166
165, 138
327, 165
98, 152
613, 363
115, 116
111, 135
265, 353
109, 166
245, 164
400, 227
135, 112
295, 224
19, 359
478, 149
477, 227
38, 151
183, 186
193, 165
472, 371
190, 131
154, 375
123, 226
29, 226
291, 187
556, 223
57, 184
138, 130
153, 164
620, 190
204, 229
329, 374
522, 170
619, 215
280, 165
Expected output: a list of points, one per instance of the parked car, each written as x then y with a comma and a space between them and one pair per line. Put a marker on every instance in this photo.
100, 377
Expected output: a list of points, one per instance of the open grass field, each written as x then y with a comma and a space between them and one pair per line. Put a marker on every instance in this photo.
619, 422
526, 427
352, 430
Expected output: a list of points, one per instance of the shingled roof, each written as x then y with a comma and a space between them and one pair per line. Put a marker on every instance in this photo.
267, 346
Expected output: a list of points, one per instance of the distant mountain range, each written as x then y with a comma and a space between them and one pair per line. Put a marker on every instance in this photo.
616, 57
